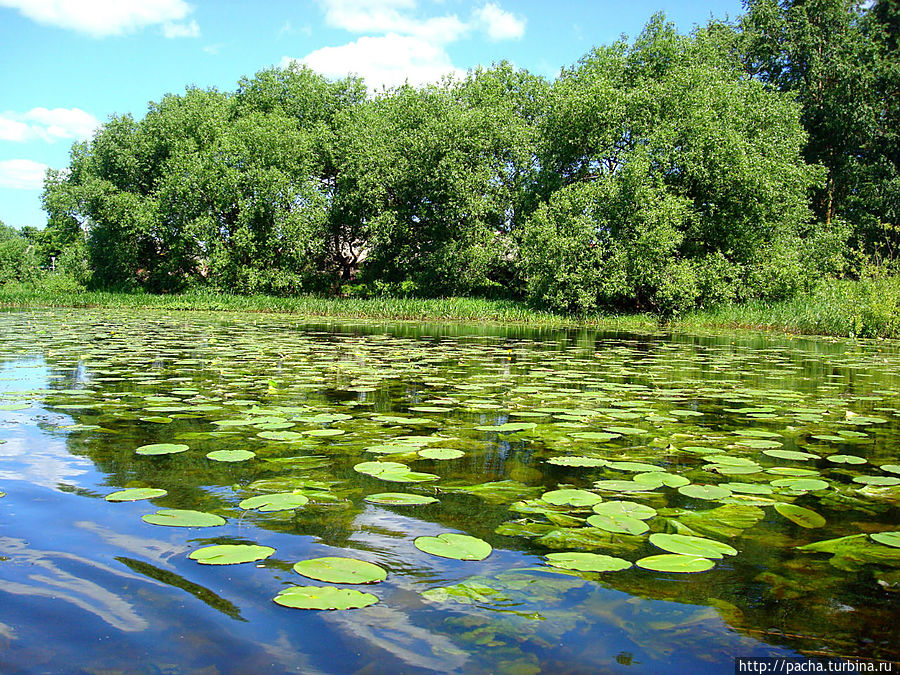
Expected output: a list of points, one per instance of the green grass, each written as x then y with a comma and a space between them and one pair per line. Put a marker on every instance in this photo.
869, 308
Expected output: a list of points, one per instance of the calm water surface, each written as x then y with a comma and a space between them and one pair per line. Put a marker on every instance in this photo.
86, 585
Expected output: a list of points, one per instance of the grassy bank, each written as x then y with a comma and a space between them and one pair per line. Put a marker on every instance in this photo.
868, 308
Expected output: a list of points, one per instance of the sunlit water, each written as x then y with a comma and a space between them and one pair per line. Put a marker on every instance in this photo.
87, 586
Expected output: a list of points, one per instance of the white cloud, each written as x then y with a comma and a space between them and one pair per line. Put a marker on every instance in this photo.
22, 174
498, 23
49, 125
388, 60
391, 16
102, 18
181, 30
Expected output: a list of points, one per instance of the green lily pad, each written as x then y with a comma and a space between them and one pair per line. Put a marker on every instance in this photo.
456, 546
441, 453
393, 472
749, 488
577, 461
802, 516
324, 597
576, 498
805, 484
623, 486
887, 538
599, 436
790, 454
323, 433
399, 499
183, 518
507, 427
230, 554
338, 570
661, 478
891, 468
278, 501
851, 553
617, 523
877, 480
675, 562
587, 562
161, 449
284, 436
134, 494
710, 492
692, 546
622, 508
626, 431
846, 459
230, 455
634, 467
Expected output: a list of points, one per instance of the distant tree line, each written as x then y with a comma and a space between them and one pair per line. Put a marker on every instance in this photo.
745, 160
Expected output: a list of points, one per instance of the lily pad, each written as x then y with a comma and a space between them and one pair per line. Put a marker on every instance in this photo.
399, 499
230, 554
877, 480
278, 501
230, 455
692, 546
338, 570
846, 459
790, 454
134, 494
802, 516
587, 562
675, 562
161, 449
710, 492
576, 498
324, 597
622, 508
618, 523
183, 518
456, 546
393, 472
887, 538
577, 461
440, 453
805, 484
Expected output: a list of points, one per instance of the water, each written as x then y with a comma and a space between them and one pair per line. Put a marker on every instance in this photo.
87, 586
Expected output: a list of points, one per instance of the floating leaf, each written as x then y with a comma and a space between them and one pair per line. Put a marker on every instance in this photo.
660, 478
892, 468
598, 436
618, 523
710, 492
230, 554
692, 546
324, 597
790, 454
399, 499
441, 453
846, 459
850, 553
337, 570
623, 486
587, 562
674, 562
393, 472
805, 484
571, 498
230, 455
887, 538
456, 546
802, 516
134, 494
577, 461
183, 518
630, 509
749, 488
161, 449
284, 436
877, 480
278, 501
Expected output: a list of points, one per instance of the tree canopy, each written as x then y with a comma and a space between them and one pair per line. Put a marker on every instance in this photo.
661, 174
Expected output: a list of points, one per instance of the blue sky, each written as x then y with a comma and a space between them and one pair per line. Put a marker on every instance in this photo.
67, 65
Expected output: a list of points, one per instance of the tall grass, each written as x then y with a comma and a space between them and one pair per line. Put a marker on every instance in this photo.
868, 308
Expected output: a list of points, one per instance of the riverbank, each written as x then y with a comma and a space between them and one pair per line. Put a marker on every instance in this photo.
869, 308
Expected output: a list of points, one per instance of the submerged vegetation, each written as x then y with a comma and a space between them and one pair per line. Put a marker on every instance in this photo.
754, 162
